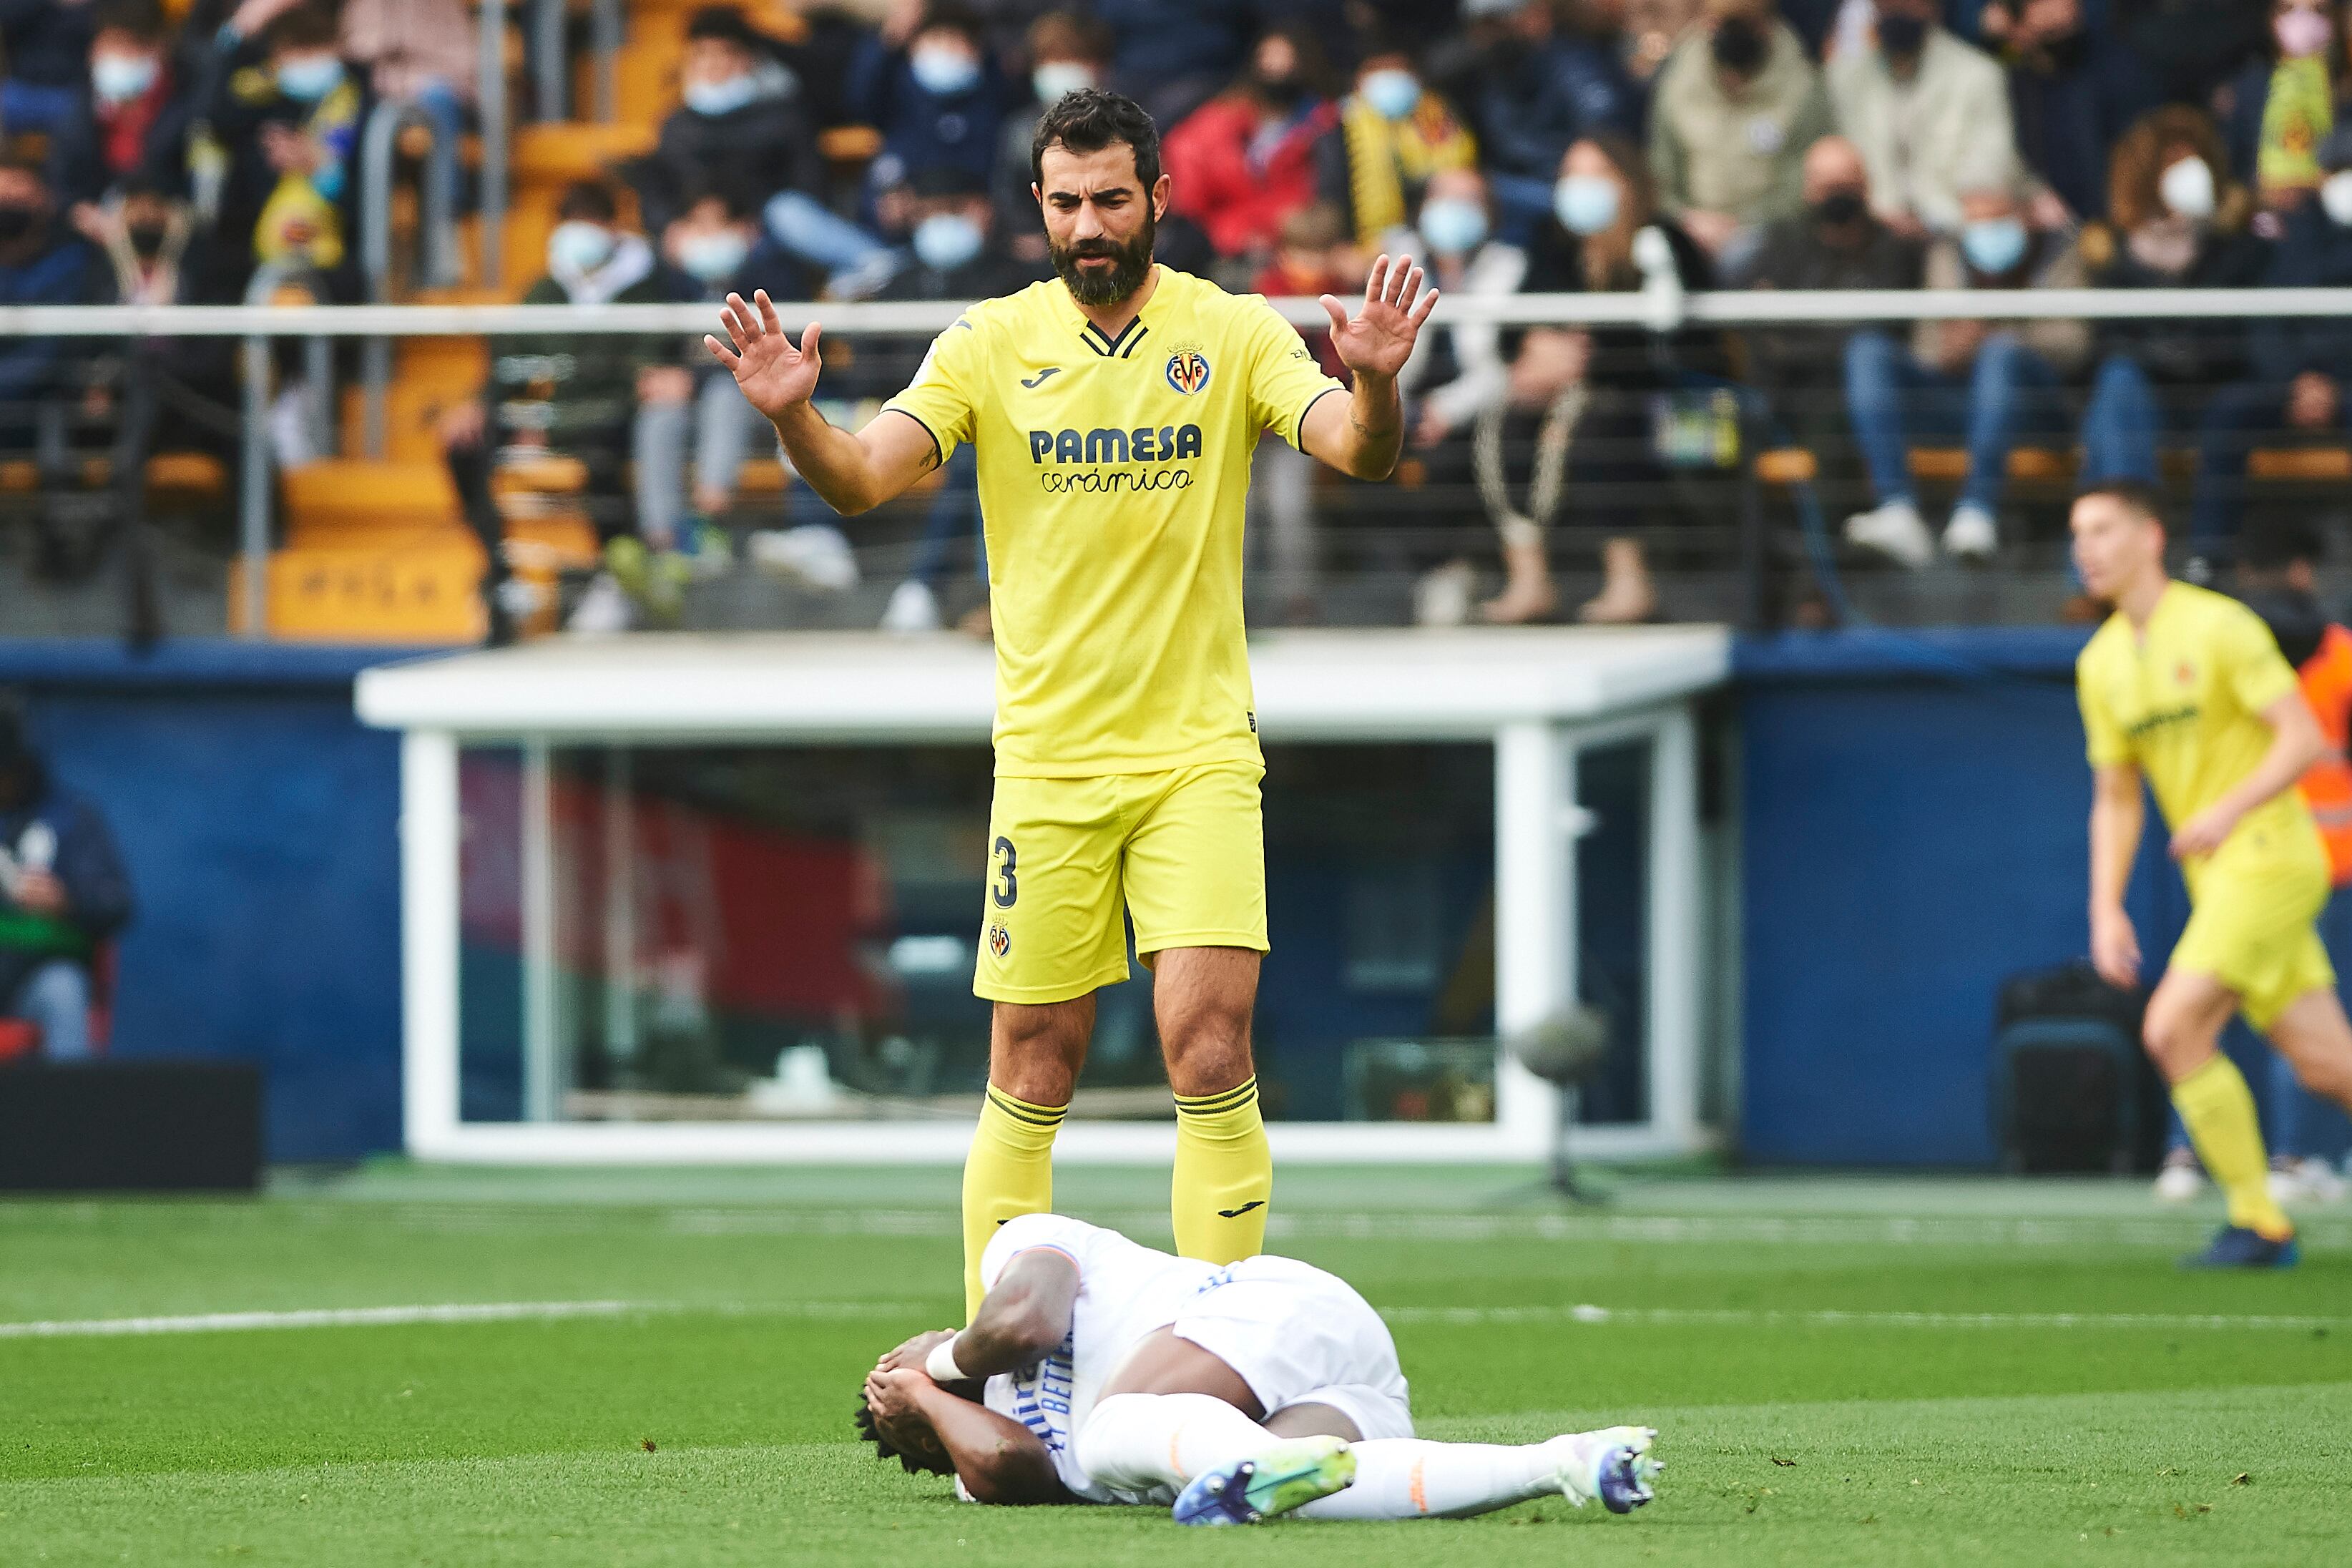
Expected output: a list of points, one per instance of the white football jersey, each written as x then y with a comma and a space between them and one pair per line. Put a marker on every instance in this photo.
1125, 1291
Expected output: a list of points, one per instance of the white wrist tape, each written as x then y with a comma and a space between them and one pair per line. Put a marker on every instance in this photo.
940, 1364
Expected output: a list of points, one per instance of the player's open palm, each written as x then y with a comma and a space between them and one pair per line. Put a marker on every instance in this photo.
772, 373
1380, 338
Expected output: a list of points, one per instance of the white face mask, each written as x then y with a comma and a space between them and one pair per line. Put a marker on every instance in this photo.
2187, 188
2336, 197
713, 258
118, 79
579, 245
1056, 80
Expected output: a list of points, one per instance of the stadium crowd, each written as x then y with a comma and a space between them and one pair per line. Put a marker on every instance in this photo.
1515, 145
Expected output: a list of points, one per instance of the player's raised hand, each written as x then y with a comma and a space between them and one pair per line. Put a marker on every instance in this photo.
772, 373
1380, 337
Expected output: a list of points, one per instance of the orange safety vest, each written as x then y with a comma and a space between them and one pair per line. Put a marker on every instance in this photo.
2327, 787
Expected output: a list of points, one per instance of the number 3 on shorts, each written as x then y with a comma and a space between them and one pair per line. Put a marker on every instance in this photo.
1006, 888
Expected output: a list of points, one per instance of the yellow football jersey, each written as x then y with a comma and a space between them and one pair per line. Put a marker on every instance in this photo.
1113, 475
2184, 702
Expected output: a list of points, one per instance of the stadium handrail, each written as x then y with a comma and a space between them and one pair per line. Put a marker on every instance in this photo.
1762, 307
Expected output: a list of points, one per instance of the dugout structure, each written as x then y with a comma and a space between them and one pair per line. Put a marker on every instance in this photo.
550, 916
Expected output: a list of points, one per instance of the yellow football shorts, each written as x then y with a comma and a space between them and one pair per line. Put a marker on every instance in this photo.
1184, 850
2252, 927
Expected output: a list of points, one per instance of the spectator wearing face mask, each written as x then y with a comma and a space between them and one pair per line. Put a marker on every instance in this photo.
287, 110
1578, 420
2177, 221
1837, 242
937, 98
958, 256
1730, 119
717, 246
131, 119
1068, 51
42, 262
1530, 89
1983, 380
46, 44
584, 397
1929, 113
143, 230
2281, 104
1395, 136
2299, 366
1247, 159
2058, 93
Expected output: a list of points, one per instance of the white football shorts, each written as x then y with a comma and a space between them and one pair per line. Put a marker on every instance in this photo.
1300, 1336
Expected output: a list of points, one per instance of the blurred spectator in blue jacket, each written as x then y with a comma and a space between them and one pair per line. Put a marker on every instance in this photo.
1531, 90
131, 116
46, 45
2302, 367
63, 892
2056, 96
929, 84
1173, 55
42, 262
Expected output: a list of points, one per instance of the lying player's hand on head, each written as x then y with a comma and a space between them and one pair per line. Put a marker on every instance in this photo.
914, 1353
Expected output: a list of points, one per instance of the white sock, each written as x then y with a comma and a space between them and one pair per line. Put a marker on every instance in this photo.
1410, 1477
1134, 1442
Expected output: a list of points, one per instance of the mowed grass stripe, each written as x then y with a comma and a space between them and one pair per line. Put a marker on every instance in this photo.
440, 1312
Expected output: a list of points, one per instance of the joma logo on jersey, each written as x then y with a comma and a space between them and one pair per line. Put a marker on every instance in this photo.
1187, 370
1168, 444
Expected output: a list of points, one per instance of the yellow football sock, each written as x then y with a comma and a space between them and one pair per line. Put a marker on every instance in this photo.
1224, 1175
2218, 1111
1009, 1172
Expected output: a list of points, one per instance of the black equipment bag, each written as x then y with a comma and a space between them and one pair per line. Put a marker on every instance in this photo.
2072, 1089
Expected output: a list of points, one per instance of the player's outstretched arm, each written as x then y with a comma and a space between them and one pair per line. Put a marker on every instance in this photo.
1362, 436
853, 473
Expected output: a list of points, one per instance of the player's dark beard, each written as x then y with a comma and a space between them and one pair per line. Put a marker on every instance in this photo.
1130, 263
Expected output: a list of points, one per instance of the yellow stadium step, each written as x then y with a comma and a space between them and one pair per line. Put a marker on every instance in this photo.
2306, 465
424, 587
186, 475
2027, 465
564, 152
357, 492
413, 411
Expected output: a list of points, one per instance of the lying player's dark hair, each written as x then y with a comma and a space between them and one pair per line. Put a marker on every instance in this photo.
2132, 495
916, 1463
1090, 120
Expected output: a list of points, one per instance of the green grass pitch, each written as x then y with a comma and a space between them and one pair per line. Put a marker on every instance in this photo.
1915, 1372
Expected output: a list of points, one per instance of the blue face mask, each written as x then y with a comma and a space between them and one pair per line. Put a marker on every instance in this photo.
943, 72
713, 258
945, 241
307, 78
1056, 80
579, 245
1393, 94
1993, 245
1586, 203
118, 79
721, 97
1453, 226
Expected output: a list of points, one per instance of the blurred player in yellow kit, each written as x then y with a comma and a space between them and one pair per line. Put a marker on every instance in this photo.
1113, 411
2188, 688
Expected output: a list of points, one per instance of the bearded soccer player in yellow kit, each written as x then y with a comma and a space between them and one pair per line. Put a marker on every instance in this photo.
1113, 411
2188, 688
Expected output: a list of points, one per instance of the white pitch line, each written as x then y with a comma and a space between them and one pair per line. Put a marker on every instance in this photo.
443, 1312
1737, 1317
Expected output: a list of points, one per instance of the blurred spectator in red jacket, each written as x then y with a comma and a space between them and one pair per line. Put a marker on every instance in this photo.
1246, 160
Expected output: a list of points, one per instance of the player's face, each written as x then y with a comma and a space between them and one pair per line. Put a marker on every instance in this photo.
1099, 220
2113, 544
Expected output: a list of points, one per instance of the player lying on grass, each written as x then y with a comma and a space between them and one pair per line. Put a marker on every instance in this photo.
1098, 1369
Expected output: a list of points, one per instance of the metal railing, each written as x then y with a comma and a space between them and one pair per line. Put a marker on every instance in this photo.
437, 262
1662, 307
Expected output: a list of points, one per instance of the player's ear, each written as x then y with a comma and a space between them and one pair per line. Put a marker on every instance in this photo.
1161, 188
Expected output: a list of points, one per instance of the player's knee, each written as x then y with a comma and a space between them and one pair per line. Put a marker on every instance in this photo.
1101, 1443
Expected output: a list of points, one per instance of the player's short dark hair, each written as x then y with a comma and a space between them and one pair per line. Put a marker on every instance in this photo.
2279, 542
728, 24
916, 1463
2134, 496
1090, 120
312, 24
